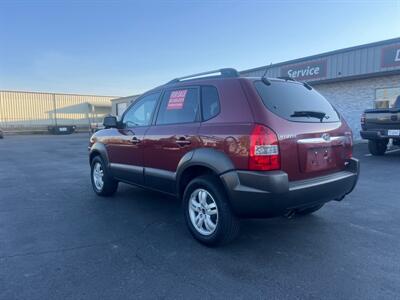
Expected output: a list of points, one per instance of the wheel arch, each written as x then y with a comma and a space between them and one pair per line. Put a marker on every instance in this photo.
200, 162
99, 149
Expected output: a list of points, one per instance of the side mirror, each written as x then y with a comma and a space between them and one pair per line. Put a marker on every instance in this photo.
110, 122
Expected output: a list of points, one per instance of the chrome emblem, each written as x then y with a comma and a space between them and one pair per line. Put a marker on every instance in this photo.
326, 137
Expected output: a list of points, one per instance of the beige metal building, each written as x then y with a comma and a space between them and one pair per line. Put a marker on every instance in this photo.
119, 105
36, 111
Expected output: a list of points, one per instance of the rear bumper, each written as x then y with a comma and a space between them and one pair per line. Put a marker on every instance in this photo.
376, 135
269, 194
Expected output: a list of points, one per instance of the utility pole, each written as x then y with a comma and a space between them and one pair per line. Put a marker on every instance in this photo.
88, 117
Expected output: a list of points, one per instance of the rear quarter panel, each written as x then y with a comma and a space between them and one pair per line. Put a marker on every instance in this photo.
229, 131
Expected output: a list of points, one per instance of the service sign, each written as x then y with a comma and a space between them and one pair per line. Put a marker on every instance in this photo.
306, 71
390, 56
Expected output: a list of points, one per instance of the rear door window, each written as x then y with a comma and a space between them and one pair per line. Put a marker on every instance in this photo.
179, 106
294, 102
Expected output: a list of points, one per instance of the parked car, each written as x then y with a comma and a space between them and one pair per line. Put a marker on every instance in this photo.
1, 134
380, 125
230, 148
61, 129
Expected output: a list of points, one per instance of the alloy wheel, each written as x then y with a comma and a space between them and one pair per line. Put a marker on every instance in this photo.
203, 211
98, 174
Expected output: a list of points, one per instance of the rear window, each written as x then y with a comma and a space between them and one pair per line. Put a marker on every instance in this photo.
294, 102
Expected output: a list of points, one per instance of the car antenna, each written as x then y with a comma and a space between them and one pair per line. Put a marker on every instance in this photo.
263, 78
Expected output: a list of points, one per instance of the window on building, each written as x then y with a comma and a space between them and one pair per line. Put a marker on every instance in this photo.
386, 97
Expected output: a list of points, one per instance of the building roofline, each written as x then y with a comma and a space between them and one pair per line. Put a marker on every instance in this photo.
321, 55
55, 93
126, 97
355, 77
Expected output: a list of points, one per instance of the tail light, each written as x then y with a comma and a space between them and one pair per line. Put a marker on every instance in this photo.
264, 149
349, 144
363, 119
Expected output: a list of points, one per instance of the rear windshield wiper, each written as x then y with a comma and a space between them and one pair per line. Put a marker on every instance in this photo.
310, 114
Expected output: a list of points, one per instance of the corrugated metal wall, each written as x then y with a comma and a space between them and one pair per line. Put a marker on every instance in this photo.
35, 110
357, 61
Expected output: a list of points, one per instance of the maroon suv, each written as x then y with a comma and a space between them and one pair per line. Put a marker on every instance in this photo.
229, 147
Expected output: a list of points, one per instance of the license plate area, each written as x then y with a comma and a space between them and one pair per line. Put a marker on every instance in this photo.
394, 132
319, 159
316, 155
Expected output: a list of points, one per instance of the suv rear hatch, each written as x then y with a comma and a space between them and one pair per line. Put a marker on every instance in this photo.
313, 140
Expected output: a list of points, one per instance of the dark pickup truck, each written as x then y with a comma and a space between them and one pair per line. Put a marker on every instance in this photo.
380, 125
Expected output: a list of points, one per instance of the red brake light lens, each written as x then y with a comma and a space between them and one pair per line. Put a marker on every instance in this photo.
349, 144
264, 149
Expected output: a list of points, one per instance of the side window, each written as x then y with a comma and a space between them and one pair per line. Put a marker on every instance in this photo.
209, 102
140, 113
179, 106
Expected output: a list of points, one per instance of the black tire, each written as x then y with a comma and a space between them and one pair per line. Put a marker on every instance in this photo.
377, 147
227, 224
309, 210
110, 185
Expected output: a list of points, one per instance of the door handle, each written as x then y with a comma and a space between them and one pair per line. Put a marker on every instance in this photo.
183, 141
135, 140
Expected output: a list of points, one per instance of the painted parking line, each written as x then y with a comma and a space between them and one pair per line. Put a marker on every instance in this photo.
390, 151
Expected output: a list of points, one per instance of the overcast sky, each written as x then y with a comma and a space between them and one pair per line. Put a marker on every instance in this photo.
125, 47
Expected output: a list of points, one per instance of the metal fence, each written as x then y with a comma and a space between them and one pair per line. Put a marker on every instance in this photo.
35, 111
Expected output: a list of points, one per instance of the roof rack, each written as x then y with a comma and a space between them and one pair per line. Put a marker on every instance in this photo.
224, 73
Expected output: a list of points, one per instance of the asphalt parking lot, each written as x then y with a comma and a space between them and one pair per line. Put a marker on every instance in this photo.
59, 240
